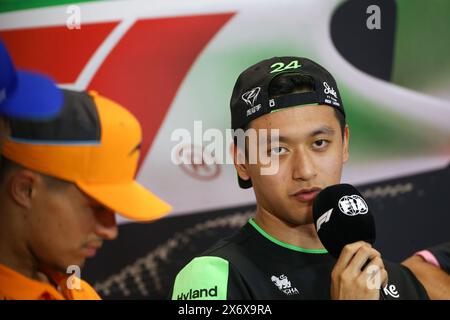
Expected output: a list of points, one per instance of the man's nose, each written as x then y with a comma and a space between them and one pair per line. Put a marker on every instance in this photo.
106, 226
303, 166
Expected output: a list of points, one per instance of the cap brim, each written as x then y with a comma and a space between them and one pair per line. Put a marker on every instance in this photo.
130, 200
244, 184
35, 97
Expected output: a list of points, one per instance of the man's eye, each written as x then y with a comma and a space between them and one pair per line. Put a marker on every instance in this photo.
320, 144
278, 150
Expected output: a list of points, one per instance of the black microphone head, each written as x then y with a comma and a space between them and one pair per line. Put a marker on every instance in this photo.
342, 216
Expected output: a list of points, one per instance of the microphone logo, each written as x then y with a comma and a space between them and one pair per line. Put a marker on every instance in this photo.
323, 219
353, 205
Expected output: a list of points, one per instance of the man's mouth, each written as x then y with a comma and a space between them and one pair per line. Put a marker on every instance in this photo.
90, 250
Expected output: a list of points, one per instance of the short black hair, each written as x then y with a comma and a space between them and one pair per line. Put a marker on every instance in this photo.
7, 165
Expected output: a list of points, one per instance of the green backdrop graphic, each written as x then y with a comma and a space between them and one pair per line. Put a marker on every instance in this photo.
13, 5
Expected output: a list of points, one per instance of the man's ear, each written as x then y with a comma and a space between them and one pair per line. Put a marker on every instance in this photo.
240, 162
345, 144
22, 186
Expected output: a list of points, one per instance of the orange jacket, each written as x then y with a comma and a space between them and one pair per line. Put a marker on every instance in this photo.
15, 286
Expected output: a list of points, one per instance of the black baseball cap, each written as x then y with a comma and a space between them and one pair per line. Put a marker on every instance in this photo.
250, 98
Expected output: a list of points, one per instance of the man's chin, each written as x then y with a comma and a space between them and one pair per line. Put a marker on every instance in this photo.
306, 213
63, 268
302, 218
72, 266
308, 218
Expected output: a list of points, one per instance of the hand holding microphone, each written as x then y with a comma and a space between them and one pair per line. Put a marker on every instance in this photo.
346, 228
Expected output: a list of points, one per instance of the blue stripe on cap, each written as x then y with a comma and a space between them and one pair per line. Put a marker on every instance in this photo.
56, 142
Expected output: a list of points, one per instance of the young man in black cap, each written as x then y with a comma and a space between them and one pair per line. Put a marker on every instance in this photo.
277, 254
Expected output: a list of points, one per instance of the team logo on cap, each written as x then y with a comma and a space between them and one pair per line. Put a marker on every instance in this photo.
329, 90
332, 98
353, 205
136, 148
250, 96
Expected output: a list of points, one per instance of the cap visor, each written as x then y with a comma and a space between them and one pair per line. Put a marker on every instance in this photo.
35, 97
130, 200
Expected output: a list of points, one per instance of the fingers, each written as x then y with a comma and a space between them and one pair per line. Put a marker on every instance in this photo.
374, 274
347, 255
362, 256
359, 273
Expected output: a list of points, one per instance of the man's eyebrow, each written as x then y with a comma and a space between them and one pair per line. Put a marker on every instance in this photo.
323, 130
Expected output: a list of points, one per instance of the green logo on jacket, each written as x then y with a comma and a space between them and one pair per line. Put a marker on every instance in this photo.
204, 278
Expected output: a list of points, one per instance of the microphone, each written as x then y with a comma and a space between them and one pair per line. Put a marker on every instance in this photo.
342, 216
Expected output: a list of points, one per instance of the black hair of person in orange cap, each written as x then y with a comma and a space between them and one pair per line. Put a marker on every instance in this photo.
61, 182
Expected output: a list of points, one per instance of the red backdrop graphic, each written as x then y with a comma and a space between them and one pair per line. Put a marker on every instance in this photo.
142, 72
56, 51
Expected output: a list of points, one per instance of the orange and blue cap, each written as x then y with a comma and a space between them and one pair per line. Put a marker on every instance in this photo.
94, 143
24, 94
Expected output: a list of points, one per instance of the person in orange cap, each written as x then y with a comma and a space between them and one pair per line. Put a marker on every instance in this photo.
61, 182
